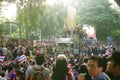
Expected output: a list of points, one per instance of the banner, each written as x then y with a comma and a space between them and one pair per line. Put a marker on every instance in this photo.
91, 32
71, 17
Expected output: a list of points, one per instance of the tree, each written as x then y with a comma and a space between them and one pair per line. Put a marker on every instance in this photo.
53, 21
118, 2
2, 20
29, 14
38, 19
1, 24
100, 15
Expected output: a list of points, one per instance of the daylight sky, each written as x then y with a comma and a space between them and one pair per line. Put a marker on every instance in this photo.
9, 10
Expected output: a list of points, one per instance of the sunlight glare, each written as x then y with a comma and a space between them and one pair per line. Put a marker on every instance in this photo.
51, 2
9, 11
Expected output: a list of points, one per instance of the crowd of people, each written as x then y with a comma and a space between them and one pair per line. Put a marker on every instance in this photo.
88, 64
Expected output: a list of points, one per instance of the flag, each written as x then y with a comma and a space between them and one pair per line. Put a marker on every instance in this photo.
74, 17
21, 58
71, 17
2, 58
68, 17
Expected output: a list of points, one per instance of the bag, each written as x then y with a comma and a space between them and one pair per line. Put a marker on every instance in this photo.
37, 74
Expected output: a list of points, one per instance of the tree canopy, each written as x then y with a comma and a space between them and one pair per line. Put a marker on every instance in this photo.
118, 2
29, 14
53, 21
100, 15
37, 18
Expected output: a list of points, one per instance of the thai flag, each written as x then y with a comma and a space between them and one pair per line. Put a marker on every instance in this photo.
2, 58
21, 58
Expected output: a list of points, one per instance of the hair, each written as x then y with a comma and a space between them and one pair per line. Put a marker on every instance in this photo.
116, 57
61, 69
98, 59
105, 59
83, 69
39, 59
85, 60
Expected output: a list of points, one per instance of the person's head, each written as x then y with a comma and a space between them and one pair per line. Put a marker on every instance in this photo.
61, 69
39, 59
85, 60
62, 56
113, 65
61, 63
95, 65
83, 69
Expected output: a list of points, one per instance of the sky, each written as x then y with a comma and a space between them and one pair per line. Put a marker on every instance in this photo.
9, 10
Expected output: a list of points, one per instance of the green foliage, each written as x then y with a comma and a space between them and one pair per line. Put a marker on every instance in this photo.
29, 14
1, 28
100, 15
36, 18
2, 20
116, 34
53, 21
10, 1
118, 2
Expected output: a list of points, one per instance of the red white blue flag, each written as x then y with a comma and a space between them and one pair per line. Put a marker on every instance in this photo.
21, 58
2, 58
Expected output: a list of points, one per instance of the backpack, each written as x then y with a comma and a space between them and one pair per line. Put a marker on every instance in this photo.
37, 74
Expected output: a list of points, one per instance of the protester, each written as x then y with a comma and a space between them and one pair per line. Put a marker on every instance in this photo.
95, 67
39, 64
113, 66
61, 71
